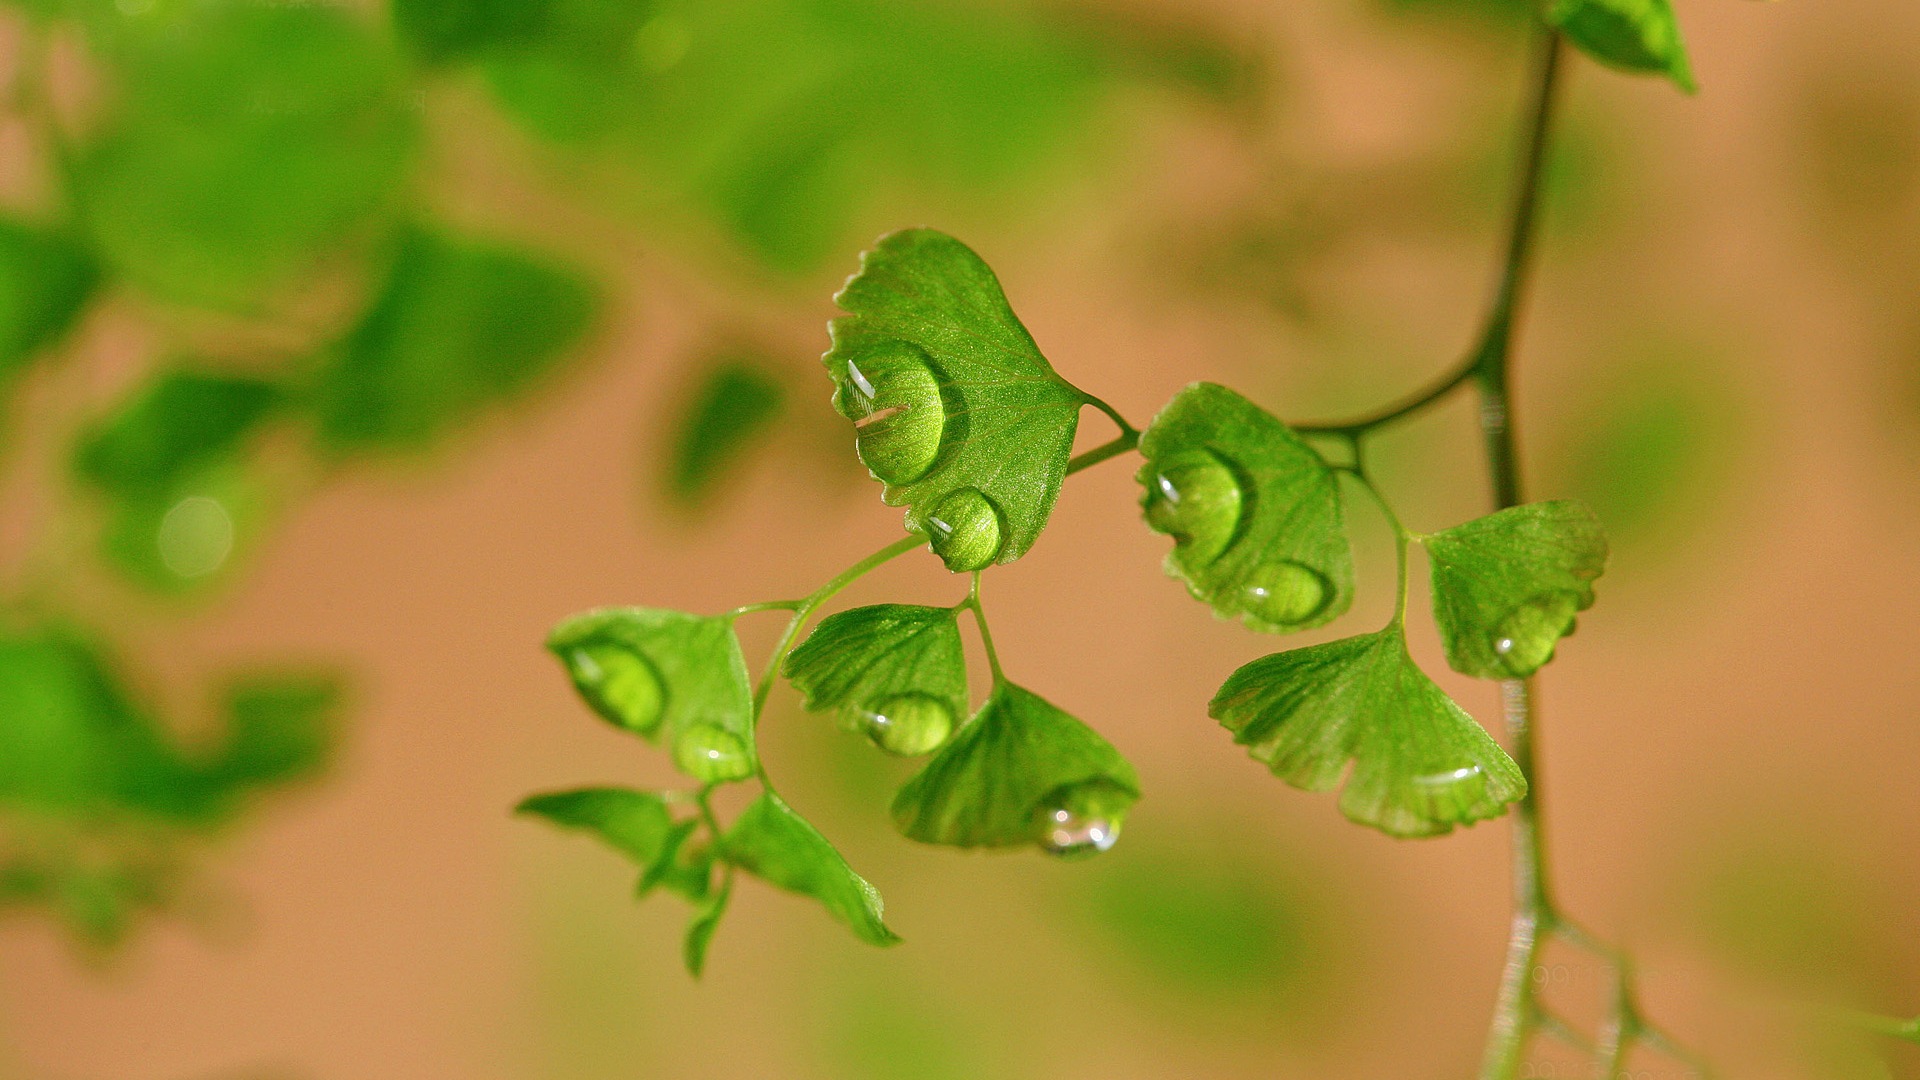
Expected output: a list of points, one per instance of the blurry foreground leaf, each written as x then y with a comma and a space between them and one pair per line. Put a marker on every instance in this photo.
894, 672
778, 846
1633, 35
1506, 586
956, 411
246, 141
459, 326
730, 415
46, 278
1020, 772
1421, 765
780, 120
1254, 512
170, 463
666, 674
182, 419
279, 729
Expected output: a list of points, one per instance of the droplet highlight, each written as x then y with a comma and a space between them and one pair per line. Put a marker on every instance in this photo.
1287, 593
966, 530
1194, 497
195, 537
1082, 820
712, 755
908, 724
1525, 639
619, 684
899, 412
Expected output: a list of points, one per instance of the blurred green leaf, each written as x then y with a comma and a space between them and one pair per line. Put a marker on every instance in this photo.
1506, 586
732, 412
1632, 35
895, 672
700, 932
442, 30
170, 463
1216, 933
781, 119
280, 728
1421, 765
780, 847
46, 279
635, 823
1254, 511
459, 326
1020, 772
74, 742
1655, 443
246, 141
666, 673
181, 419
957, 413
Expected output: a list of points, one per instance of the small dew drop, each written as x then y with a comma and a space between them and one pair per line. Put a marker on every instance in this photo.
900, 414
1081, 820
195, 537
1195, 498
1068, 834
1525, 639
966, 530
908, 724
711, 755
1449, 778
1287, 593
619, 683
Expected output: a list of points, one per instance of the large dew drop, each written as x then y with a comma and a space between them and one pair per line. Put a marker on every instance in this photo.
966, 530
908, 724
1525, 639
1287, 593
619, 683
711, 755
899, 411
1081, 820
1194, 497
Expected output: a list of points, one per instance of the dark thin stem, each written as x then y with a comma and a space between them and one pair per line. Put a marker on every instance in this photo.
1533, 919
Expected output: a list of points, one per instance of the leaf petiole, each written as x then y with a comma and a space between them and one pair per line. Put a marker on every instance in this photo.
986, 636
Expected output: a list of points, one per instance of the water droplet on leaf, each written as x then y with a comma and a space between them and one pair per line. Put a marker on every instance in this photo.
1082, 820
908, 724
711, 755
619, 684
966, 530
1525, 639
900, 412
1194, 497
1287, 593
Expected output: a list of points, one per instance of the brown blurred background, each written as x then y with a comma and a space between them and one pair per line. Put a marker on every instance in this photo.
1299, 200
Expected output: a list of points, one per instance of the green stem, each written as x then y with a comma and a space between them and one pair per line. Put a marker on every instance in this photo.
1113, 414
986, 636
1126, 441
804, 610
1515, 1014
